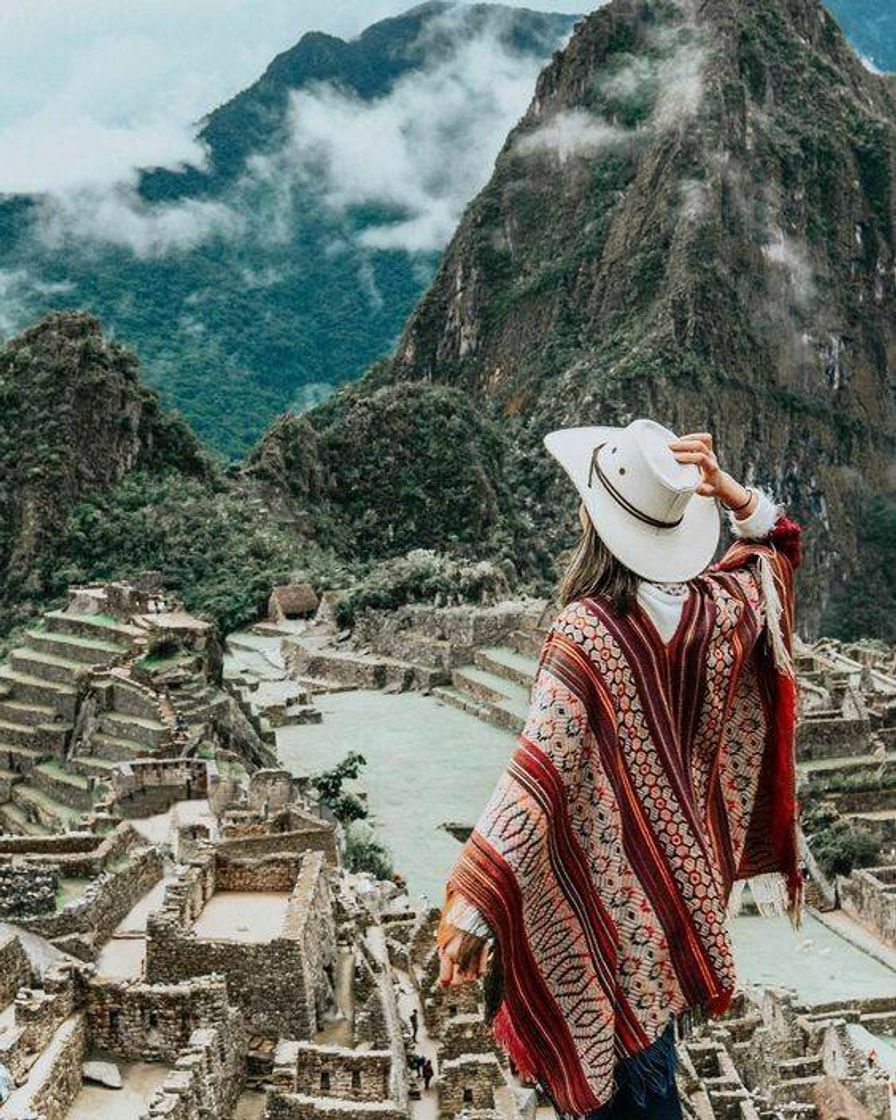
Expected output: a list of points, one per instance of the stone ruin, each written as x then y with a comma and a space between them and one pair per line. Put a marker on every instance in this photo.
110, 708
773, 1058
176, 913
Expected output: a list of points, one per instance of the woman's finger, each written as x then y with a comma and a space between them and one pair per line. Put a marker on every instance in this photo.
446, 967
469, 949
704, 437
690, 445
701, 458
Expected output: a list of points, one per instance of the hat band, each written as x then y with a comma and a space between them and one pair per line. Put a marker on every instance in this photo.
621, 500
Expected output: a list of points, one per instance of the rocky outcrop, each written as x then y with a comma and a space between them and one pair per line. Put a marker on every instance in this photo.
74, 420
694, 220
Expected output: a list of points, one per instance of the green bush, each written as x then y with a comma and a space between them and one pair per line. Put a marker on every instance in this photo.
422, 576
841, 845
363, 852
346, 807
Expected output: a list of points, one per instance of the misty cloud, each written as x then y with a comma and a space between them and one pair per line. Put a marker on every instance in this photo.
116, 216
789, 256
17, 288
672, 81
422, 151
125, 99
574, 133
670, 86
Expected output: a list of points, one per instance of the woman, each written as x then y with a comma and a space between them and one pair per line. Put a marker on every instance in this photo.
655, 774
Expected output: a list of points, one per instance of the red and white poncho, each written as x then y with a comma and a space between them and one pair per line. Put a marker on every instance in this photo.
650, 778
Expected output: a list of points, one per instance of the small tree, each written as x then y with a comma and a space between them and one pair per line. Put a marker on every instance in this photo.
345, 807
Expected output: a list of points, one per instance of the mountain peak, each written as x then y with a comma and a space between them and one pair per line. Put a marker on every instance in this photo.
694, 220
368, 66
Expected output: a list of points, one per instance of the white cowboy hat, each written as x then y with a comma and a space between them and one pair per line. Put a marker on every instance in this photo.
641, 500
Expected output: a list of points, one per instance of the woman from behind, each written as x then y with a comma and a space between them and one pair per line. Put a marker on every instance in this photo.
654, 777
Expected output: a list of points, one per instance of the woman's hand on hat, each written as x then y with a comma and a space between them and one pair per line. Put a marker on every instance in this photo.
697, 448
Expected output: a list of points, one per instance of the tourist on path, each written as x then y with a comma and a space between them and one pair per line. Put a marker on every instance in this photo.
427, 1073
654, 776
415, 1023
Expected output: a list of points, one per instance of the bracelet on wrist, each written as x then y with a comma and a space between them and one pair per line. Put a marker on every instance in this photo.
743, 505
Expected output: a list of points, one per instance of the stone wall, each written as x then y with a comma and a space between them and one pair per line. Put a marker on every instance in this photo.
439, 637
59, 844
832, 738
146, 1022
27, 890
38, 1015
768, 1056
207, 1075
869, 895
40, 1011
321, 839
15, 970
52, 1090
466, 1034
297, 1106
442, 1004
270, 790
332, 1071
281, 986
75, 855
468, 1081
277, 872
105, 902
251, 834
310, 921
149, 786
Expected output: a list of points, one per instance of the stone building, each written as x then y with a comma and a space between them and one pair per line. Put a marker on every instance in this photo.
869, 895
264, 924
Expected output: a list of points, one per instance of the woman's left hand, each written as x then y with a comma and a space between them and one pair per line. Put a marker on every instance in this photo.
462, 959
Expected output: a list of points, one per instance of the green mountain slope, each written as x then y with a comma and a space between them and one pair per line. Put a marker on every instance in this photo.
245, 286
694, 221
98, 482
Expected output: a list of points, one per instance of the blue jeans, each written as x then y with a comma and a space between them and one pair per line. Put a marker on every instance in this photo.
623, 1107
646, 1085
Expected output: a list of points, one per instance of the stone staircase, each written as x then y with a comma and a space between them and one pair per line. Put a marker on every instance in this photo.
495, 687
39, 689
129, 724
847, 766
198, 702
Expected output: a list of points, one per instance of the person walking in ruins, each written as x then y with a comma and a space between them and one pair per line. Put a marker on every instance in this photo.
415, 1023
428, 1072
655, 776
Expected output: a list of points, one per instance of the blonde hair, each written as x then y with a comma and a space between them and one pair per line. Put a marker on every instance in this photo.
594, 572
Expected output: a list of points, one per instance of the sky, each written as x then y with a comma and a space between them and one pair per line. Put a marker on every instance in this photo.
91, 89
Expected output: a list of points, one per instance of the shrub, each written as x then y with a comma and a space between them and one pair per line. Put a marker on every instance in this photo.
363, 852
841, 845
422, 576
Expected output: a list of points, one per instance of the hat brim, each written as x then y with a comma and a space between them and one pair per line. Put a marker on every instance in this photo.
661, 555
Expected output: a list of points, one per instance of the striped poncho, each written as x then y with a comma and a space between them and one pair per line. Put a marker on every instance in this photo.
649, 779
